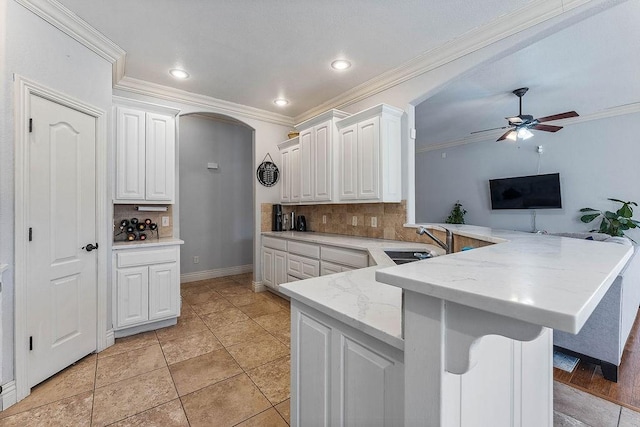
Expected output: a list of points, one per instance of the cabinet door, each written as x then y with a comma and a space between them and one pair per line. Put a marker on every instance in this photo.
285, 176
294, 177
164, 291
306, 165
267, 268
279, 268
369, 159
130, 154
311, 372
160, 156
348, 174
132, 296
327, 268
322, 162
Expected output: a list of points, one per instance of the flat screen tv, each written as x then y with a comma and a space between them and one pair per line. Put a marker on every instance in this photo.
526, 192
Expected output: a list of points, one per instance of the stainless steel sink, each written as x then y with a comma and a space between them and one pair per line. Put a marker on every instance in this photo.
403, 257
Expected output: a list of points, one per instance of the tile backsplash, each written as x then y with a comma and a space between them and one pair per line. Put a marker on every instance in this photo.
339, 219
121, 212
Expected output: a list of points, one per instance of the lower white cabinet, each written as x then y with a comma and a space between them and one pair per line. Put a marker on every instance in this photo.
327, 268
340, 376
274, 267
147, 285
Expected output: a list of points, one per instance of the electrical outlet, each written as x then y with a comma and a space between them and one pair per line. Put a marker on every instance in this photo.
374, 221
165, 221
196, 259
354, 220
324, 219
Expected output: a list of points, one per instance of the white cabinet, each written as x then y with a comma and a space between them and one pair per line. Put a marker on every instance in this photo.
147, 285
369, 147
274, 262
145, 155
341, 376
308, 160
290, 173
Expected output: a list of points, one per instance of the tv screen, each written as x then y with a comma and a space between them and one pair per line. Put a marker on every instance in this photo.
526, 192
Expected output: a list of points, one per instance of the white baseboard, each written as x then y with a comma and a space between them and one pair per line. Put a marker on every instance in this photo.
258, 287
212, 274
8, 395
110, 338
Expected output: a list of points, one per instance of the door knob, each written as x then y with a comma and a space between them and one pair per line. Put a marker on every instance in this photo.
90, 247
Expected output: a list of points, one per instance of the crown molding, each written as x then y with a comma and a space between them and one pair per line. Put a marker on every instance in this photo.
504, 26
71, 24
141, 87
620, 110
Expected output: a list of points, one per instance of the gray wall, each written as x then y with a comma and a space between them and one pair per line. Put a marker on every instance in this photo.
216, 206
596, 160
31, 47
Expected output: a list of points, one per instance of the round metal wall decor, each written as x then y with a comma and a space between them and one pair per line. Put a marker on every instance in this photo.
268, 172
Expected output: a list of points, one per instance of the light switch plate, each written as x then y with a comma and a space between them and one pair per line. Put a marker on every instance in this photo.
374, 221
165, 221
354, 220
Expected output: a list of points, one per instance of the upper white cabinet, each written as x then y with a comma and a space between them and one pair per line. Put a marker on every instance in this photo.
369, 148
308, 160
145, 153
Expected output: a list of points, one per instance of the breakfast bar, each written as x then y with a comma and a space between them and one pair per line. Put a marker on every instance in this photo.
456, 340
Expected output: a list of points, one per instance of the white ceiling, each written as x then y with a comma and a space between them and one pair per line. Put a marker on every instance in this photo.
251, 52
589, 67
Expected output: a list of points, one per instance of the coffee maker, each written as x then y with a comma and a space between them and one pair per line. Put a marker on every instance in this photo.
277, 218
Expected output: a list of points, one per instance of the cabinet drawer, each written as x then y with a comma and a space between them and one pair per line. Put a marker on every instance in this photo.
271, 242
351, 257
327, 268
302, 267
132, 258
304, 249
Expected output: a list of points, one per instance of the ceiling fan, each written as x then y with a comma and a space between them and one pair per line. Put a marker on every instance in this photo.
520, 126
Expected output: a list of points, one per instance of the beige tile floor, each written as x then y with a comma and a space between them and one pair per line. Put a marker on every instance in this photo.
226, 363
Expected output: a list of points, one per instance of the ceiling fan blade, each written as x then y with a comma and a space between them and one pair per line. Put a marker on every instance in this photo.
546, 128
505, 135
558, 116
487, 130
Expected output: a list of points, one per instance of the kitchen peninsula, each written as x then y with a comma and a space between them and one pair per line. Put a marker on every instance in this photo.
460, 340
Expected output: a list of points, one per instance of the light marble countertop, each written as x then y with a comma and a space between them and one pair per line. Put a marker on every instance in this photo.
137, 244
547, 280
552, 281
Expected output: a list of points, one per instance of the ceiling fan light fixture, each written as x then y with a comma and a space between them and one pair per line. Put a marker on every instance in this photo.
179, 74
524, 133
512, 136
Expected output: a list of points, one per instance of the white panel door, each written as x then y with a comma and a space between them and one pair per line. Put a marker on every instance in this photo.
160, 157
130, 154
312, 373
322, 163
61, 274
285, 176
369, 159
279, 268
267, 268
348, 163
163, 292
133, 296
364, 376
306, 165
294, 177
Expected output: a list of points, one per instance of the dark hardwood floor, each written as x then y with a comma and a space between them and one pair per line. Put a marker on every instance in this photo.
588, 377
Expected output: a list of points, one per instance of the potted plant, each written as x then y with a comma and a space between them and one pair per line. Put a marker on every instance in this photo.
613, 223
457, 214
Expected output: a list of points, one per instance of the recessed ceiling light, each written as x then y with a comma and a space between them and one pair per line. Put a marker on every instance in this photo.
340, 64
281, 102
179, 74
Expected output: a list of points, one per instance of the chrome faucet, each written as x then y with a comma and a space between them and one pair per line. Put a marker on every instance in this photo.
448, 247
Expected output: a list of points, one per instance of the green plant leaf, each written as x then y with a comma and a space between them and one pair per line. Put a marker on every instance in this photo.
604, 226
589, 217
589, 210
625, 211
610, 215
617, 200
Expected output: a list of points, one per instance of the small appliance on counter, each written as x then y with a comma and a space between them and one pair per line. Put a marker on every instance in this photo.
277, 218
301, 225
292, 221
